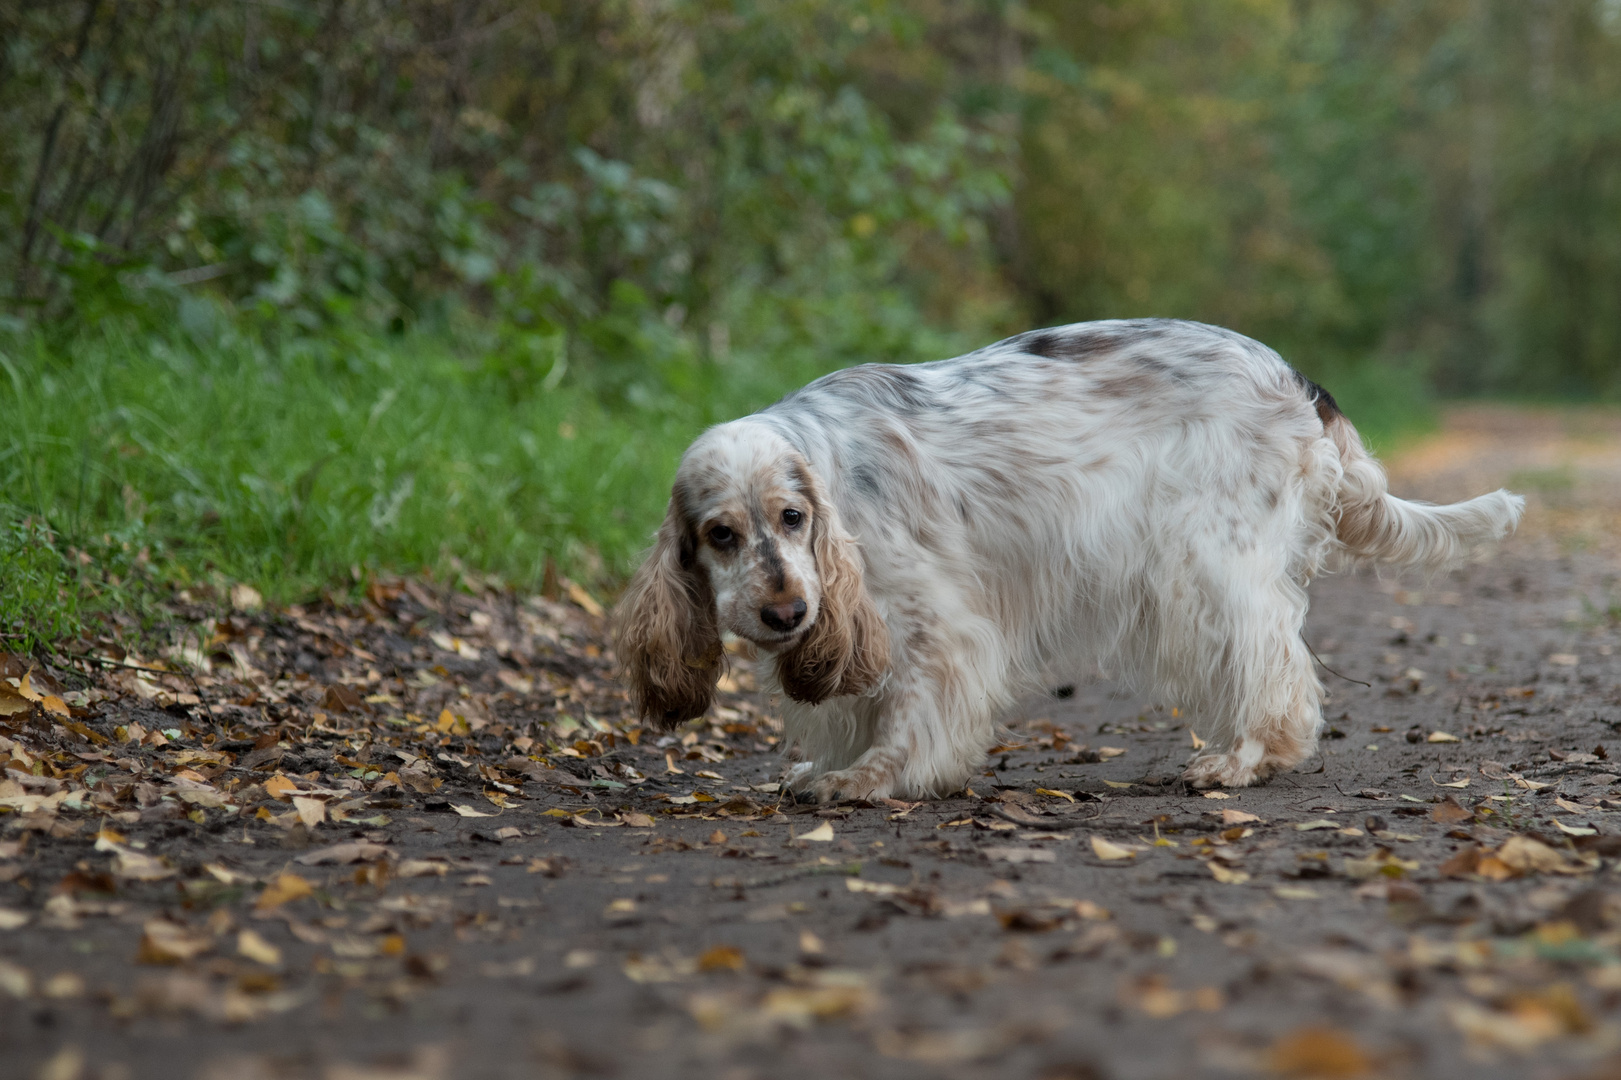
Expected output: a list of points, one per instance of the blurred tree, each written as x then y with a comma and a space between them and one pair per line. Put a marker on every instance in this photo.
1418, 188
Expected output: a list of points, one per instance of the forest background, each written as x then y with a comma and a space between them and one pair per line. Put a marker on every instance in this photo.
298, 293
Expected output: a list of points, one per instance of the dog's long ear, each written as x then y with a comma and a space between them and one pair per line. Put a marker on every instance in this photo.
846, 650
665, 628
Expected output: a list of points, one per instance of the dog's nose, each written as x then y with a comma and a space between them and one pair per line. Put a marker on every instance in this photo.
783, 617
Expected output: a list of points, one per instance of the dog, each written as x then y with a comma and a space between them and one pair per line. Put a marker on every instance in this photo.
915, 547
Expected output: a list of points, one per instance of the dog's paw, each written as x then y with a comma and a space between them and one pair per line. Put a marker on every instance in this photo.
851, 784
1225, 770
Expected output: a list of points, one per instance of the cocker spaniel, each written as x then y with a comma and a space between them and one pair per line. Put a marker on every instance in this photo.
918, 546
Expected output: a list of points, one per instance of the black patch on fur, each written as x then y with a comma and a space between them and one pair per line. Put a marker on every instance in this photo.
1072, 345
866, 481
1327, 407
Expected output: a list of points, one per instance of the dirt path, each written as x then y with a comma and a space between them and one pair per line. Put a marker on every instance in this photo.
313, 874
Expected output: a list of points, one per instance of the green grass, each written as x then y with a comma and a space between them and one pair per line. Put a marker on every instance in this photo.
135, 463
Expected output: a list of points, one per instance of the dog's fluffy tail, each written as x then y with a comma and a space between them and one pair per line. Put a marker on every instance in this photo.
1376, 526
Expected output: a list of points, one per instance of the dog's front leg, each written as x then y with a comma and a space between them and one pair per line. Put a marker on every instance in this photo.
926, 743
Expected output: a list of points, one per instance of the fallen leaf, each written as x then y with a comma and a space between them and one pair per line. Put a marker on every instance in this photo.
1019, 854
1237, 817
1450, 812
351, 851
1320, 823
283, 888
12, 919
1198, 743
310, 811
165, 942
279, 787
721, 958
1463, 864
1564, 659
584, 599
635, 820
139, 866
1441, 736
410, 868
1109, 850
1107, 752
822, 833
1292, 892
468, 811
1533, 856
1122, 784
1215, 794
1322, 1053
251, 945
1055, 794
1226, 874
1573, 830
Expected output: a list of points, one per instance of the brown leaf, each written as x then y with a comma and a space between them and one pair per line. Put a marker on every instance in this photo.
722, 958
1450, 812
283, 888
1464, 864
1322, 1053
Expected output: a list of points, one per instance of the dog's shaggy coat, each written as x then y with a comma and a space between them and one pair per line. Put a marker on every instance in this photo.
918, 546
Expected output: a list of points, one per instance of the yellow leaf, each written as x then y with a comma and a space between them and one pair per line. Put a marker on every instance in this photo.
584, 600
721, 958
636, 821
257, 949
822, 833
53, 704
1108, 850
1055, 794
1118, 783
1291, 892
279, 787
25, 689
1573, 830
1570, 807
1226, 875
1198, 743
1216, 795
1441, 736
446, 721
285, 887
468, 811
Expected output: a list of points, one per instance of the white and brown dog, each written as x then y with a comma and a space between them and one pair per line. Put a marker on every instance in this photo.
918, 546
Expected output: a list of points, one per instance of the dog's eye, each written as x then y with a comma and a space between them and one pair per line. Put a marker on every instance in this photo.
721, 536
792, 518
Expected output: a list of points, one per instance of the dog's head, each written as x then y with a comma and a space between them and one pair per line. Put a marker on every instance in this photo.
751, 544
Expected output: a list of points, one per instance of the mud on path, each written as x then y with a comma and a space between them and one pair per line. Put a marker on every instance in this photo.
421, 839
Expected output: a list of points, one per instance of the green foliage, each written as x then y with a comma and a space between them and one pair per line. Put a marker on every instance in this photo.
293, 290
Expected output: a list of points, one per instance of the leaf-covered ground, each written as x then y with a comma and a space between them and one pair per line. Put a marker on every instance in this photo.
424, 838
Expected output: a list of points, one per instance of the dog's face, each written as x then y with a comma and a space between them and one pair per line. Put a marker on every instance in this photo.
751, 544
752, 517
